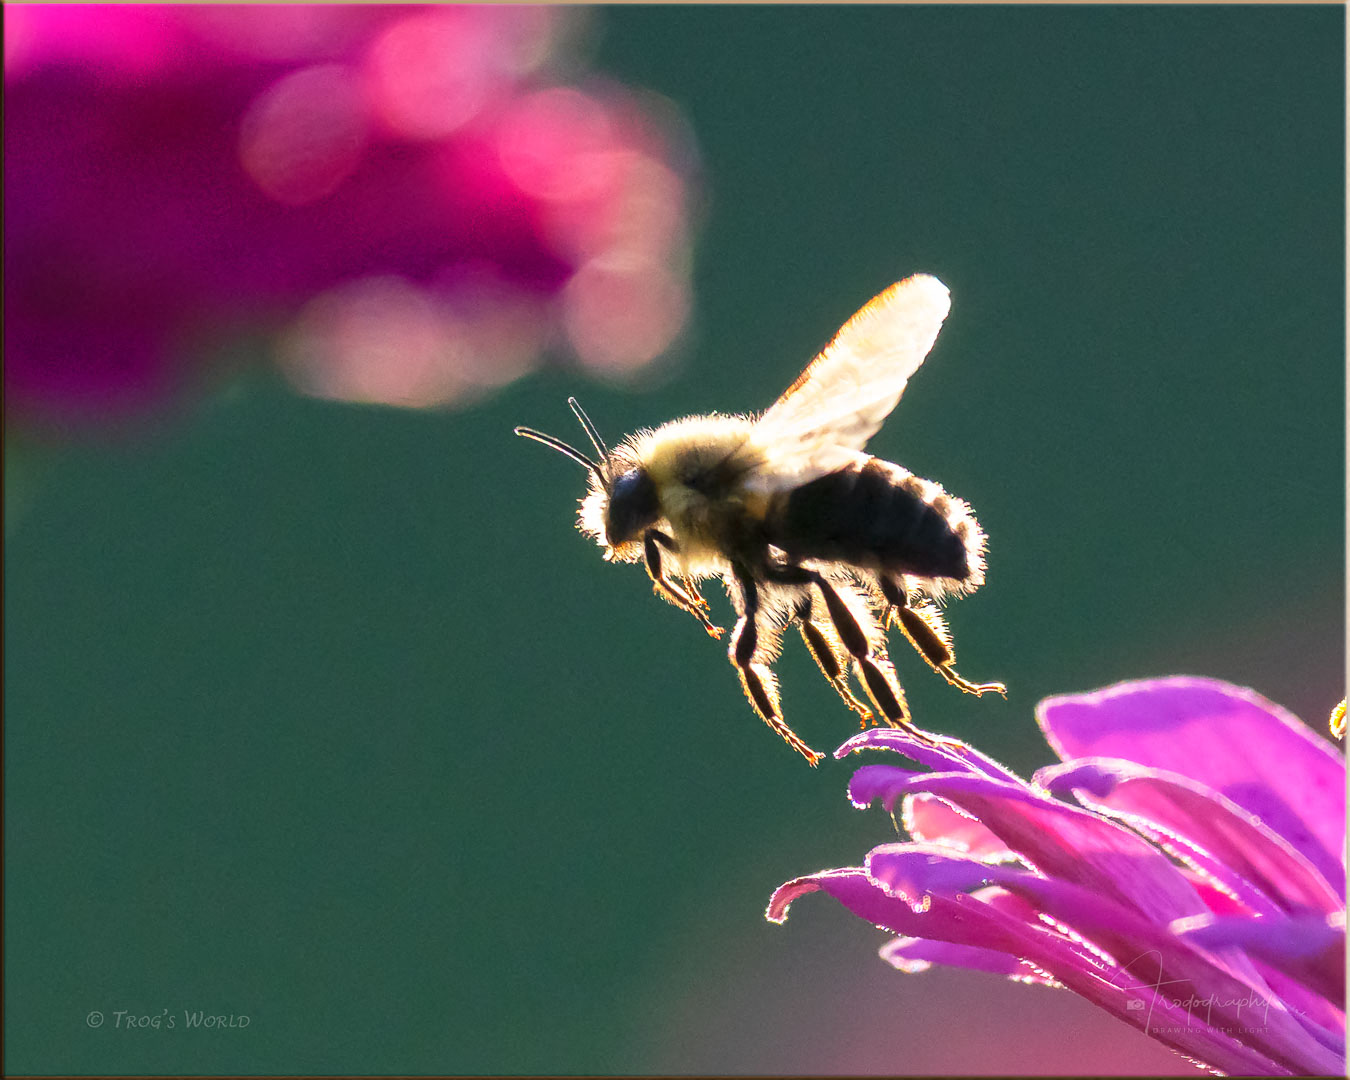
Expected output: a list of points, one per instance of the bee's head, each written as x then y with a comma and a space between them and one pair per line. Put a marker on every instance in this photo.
631, 506
622, 502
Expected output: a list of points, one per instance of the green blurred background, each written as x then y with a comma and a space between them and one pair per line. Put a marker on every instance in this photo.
327, 716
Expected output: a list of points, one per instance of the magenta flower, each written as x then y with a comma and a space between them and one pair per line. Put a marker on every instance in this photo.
1197, 890
406, 195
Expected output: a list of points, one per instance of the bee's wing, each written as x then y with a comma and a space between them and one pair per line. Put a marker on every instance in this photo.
845, 393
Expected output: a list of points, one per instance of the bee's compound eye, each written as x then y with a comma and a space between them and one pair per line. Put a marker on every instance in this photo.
633, 506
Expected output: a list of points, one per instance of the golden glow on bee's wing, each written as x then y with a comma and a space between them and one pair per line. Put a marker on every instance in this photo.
845, 393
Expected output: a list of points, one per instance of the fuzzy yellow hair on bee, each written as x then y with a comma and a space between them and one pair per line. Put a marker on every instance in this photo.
804, 529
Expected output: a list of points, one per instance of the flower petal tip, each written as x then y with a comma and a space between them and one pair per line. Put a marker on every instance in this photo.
785, 894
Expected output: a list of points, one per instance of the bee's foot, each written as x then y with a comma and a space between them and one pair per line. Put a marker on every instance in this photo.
978, 689
932, 738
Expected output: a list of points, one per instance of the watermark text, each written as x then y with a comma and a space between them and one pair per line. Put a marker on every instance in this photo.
166, 1020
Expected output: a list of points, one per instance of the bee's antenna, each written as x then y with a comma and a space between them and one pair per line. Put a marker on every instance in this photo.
591, 433
561, 447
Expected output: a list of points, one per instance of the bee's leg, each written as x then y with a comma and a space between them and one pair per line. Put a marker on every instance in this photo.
929, 636
827, 656
877, 674
691, 587
756, 679
652, 543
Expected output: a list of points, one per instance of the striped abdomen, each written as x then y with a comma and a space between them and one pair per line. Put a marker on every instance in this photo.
879, 516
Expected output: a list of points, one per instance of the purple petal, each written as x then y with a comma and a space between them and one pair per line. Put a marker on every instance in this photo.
1323, 1020
790, 891
887, 783
950, 755
931, 820
913, 955
952, 917
1309, 948
1059, 840
1226, 737
963, 920
1207, 830
915, 872
1216, 899
1156, 964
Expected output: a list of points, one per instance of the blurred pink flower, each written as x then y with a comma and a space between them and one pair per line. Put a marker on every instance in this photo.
405, 195
1197, 892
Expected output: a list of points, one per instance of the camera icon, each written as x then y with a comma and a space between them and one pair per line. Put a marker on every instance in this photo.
1134, 1005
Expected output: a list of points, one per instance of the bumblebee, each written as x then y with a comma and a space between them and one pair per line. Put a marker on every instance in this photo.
804, 528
